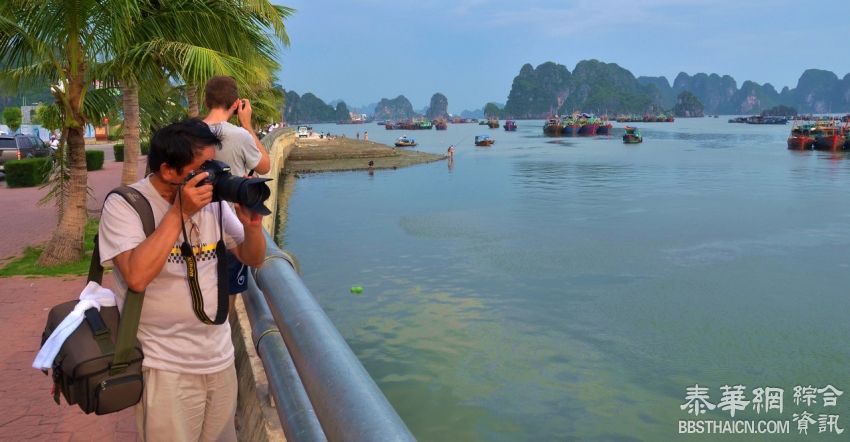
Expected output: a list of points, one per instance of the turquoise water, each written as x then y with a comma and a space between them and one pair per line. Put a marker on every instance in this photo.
549, 289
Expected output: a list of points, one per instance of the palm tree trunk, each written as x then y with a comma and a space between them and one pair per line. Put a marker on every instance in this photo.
66, 244
192, 98
130, 102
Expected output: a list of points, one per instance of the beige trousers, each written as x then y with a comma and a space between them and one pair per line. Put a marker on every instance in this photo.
184, 407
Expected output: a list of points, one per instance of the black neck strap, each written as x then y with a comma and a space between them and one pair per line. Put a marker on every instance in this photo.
192, 271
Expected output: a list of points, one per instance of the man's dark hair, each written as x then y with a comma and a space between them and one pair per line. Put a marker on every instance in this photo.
220, 92
176, 144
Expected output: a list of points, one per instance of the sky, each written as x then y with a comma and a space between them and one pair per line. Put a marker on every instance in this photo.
471, 50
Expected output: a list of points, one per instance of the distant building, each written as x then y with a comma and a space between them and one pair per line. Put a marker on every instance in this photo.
357, 118
26, 114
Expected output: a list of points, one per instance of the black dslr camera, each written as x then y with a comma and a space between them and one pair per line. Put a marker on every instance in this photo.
249, 193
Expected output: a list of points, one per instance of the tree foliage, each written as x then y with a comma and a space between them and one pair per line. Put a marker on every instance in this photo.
90, 51
12, 116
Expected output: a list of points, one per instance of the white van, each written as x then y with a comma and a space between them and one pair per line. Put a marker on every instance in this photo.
303, 131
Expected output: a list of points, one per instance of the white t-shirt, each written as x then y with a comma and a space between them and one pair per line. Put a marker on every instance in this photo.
172, 337
238, 149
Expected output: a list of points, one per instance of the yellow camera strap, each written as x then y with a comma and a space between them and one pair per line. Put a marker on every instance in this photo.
192, 275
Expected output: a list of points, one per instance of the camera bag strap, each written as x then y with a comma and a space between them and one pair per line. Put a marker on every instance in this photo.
221, 267
129, 324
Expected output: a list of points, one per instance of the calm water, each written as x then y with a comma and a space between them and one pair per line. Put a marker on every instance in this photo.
549, 289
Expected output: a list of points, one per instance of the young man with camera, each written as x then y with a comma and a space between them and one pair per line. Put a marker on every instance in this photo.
240, 147
188, 368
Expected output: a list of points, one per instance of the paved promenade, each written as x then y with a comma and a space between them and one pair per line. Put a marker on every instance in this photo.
29, 412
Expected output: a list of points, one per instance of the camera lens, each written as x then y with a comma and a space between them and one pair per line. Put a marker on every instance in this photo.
248, 192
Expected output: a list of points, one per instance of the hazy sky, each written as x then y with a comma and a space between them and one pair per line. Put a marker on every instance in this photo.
470, 50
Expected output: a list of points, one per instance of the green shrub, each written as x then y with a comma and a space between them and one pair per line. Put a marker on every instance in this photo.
118, 150
94, 159
115, 133
145, 146
28, 172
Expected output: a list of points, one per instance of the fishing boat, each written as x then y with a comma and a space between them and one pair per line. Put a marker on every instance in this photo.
405, 141
484, 140
570, 126
493, 123
440, 124
828, 136
632, 136
604, 128
510, 125
589, 125
552, 127
801, 137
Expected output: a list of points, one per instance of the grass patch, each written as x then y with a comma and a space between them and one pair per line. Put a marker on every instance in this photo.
27, 265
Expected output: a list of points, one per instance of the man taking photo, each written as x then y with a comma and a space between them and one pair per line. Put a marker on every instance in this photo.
188, 369
240, 148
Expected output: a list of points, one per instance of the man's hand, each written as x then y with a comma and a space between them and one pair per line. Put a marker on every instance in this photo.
248, 218
194, 198
244, 111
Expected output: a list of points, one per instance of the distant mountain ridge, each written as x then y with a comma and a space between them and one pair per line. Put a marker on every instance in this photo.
817, 91
595, 86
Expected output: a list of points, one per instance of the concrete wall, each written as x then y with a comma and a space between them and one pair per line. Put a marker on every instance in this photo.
256, 417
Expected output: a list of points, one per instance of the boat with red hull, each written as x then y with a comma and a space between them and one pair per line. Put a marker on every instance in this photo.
801, 137
510, 125
604, 129
828, 137
588, 129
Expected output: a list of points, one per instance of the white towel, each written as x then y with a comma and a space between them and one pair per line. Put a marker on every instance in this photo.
92, 296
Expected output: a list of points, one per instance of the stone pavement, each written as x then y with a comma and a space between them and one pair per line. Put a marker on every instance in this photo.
28, 410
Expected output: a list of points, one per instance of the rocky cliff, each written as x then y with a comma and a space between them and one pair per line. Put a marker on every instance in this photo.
439, 107
398, 108
687, 106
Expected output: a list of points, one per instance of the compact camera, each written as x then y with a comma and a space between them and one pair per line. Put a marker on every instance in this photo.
249, 193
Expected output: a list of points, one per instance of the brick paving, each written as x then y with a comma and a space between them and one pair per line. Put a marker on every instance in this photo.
28, 410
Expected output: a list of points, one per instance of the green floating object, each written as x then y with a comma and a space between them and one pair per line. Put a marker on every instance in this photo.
356, 289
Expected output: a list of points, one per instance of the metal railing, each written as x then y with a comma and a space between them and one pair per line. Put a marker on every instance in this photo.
320, 387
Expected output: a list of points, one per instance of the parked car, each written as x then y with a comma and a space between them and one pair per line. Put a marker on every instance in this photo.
16, 147
304, 131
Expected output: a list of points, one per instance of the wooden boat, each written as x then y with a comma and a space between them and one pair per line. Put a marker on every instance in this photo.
484, 140
570, 127
589, 124
828, 136
405, 142
510, 125
440, 124
801, 137
552, 127
632, 136
588, 128
604, 128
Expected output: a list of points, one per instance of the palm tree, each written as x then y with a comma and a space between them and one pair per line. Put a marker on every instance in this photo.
60, 43
172, 42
